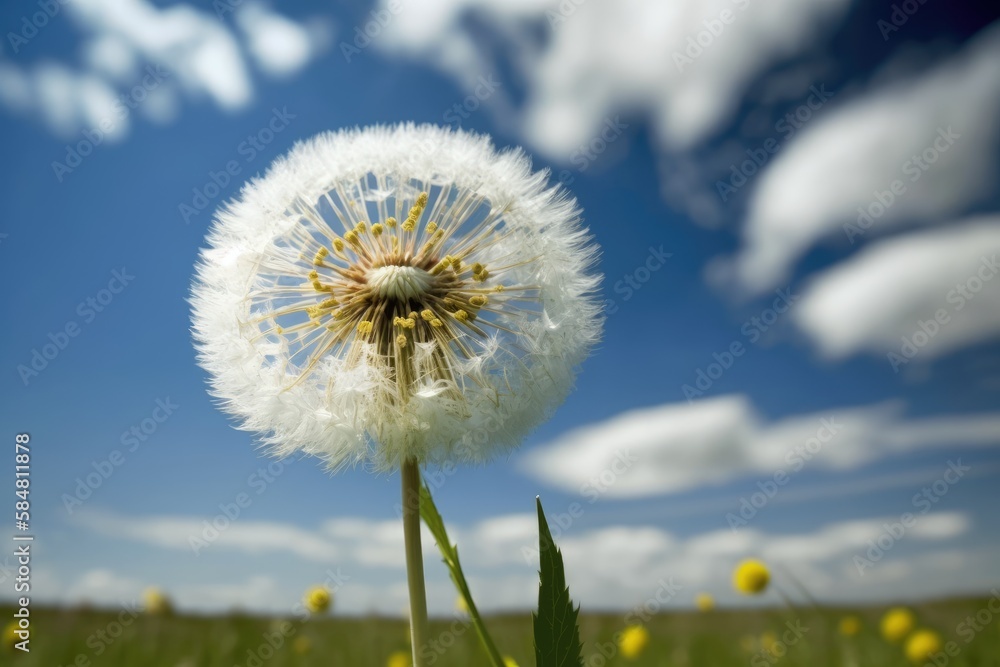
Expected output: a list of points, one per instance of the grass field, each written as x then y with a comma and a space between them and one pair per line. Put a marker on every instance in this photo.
82, 638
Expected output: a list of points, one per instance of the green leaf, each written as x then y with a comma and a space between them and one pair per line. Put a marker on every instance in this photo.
449, 552
557, 636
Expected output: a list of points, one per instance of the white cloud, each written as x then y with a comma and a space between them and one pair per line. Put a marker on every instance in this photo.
184, 533
873, 300
258, 593
161, 105
112, 56
281, 47
614, 566
843, 160
197, 48
98, 103
604, 57
194, 52
675, 447
66, 99
15, 88
621, 567
103, 587
55, 88
349, 540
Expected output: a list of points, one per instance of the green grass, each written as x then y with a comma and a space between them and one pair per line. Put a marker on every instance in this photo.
74, 637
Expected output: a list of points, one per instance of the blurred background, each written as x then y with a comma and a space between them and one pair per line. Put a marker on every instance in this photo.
798, 208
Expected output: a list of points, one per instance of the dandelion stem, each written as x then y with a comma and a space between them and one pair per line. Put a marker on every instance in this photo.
414, 559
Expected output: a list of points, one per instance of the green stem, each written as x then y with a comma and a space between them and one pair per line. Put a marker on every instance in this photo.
450, 554
414, 559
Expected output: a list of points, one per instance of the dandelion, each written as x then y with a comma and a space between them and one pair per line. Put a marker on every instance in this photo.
849, 626
156, 602
398, 659
769, 643
317, 600
10, 636
704, 602
417, 343
751, 577
307, 354
897, 623
633, 641
921, 645
301, 646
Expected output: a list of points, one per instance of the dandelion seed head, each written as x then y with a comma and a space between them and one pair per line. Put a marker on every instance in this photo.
396, 292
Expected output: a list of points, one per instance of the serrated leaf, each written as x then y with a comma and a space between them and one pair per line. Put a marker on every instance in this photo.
449, 552
557, 634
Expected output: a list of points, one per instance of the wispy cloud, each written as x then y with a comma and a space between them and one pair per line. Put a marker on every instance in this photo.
196, 54
683, 64
682, 446
920, 150
615, 566
911, 297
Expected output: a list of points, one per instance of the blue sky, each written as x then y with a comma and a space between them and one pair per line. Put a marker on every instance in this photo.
651, 185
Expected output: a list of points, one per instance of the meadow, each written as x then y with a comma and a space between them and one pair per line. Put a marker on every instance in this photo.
717, 638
